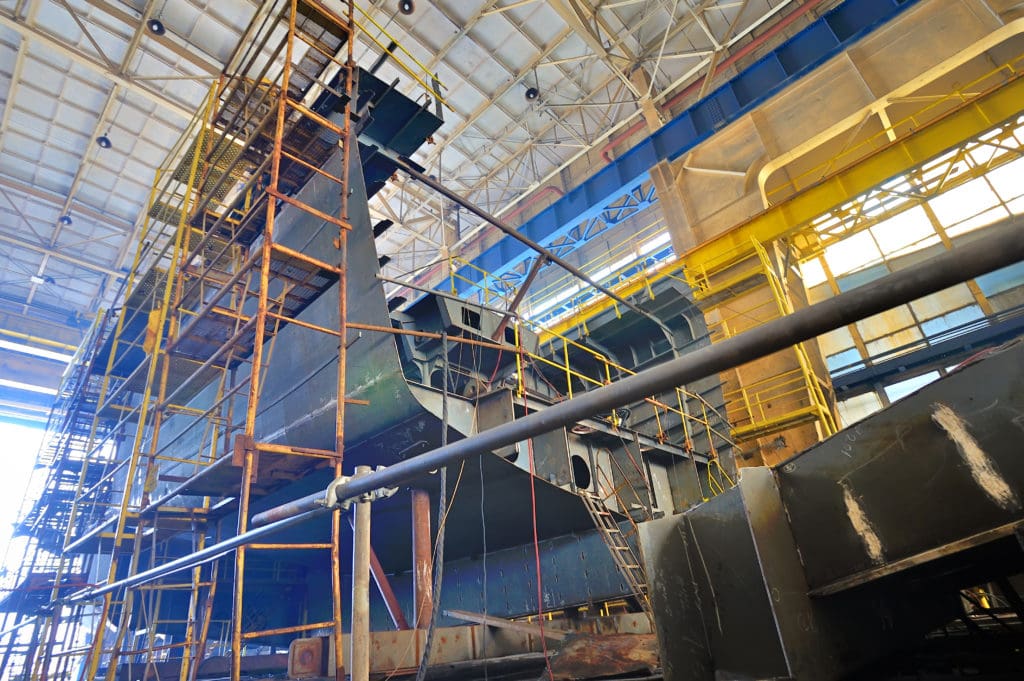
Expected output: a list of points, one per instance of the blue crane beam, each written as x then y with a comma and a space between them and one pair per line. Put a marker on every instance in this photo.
830, 34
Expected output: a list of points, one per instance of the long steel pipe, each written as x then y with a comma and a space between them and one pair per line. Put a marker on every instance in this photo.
193, 559
999, 247
1002, 246
415, 174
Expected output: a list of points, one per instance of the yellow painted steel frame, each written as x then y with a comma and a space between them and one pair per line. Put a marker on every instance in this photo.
974, 116
969, 120
802, 382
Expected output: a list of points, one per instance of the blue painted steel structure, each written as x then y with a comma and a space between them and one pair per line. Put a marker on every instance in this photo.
507, 279
641, 264
833, 32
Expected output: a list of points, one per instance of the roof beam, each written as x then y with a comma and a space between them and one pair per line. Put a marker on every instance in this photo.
19, 65
91, 63
174, 43
54, 199
575, 17
59, 255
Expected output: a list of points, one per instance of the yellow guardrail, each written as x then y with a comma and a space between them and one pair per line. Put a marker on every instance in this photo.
422, 77
950, 119
560, 353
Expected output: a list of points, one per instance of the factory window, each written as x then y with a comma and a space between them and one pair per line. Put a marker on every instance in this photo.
904, 221
858, 407
951, 320
904, 232
844, 361
853, 253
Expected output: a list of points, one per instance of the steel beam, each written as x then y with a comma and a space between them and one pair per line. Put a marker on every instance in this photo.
116, 222
815, 45
897, 157
84, 264
415, 174
792, 214
998, 247
88, 62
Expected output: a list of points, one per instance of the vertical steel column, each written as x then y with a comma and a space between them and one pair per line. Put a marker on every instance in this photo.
339, 433
30, 656
360, 635
236, 615
380, 578
187, 652
422, 565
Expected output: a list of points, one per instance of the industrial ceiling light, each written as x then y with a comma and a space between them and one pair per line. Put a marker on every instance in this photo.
532, 93
65, 220
104, 141
155, 26
406, 6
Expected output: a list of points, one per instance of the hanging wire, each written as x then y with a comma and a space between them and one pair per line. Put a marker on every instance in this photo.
442, 516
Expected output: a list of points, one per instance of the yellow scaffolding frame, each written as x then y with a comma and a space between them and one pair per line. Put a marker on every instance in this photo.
193, 269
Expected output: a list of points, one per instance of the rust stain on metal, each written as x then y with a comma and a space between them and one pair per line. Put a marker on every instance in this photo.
584, 656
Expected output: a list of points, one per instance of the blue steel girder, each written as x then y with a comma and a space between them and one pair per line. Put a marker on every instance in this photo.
512, 272
833, 32
613, 280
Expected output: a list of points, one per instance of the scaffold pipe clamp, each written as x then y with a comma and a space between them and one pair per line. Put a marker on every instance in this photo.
334, 499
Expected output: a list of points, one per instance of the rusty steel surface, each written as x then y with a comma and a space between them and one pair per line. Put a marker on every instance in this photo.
620, 644
422, 559
857, 547
586, 656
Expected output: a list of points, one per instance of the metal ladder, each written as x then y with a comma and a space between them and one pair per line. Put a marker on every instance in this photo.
625, 558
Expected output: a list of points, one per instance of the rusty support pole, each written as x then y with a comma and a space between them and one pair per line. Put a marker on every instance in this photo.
237, 605
360, 655
513, 309
346, 140
380, 578
422, 563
